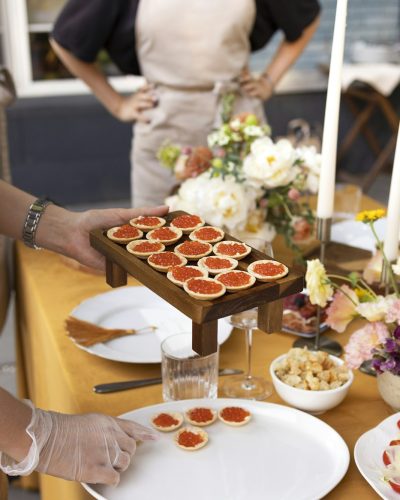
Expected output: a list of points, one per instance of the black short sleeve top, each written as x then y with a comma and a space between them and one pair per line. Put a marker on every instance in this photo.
84, 27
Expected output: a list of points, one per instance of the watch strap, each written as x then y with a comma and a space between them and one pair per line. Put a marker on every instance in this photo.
33, 216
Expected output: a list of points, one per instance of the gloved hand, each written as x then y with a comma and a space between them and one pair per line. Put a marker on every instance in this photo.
91, 448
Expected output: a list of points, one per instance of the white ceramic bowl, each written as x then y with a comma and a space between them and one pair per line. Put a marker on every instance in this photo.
315, 402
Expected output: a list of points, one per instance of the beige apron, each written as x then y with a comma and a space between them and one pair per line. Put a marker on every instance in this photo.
191, 51
7, 95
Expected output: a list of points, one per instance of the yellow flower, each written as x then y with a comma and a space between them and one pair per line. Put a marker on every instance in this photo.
370, 215
317, 282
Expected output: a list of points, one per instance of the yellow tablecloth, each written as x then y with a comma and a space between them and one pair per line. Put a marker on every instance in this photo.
57, 375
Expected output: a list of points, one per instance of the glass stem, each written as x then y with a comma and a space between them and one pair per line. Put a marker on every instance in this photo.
249, 341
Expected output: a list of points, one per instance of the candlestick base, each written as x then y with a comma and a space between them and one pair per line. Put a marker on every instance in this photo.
325, 344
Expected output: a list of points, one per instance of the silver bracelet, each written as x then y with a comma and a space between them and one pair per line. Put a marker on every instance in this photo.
33, 216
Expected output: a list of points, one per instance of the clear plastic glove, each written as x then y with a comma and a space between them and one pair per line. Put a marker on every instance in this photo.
91, 448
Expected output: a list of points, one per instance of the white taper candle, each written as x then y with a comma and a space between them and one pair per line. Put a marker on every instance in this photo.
391, 243
331, 121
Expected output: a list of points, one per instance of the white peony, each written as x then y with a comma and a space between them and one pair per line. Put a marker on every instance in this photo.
218, 138
311, 166
396, 267
221, 202
377, 309
270, 165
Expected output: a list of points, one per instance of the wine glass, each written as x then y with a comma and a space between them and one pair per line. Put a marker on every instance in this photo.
248, 386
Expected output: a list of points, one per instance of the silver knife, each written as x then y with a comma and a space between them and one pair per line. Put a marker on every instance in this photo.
133, 384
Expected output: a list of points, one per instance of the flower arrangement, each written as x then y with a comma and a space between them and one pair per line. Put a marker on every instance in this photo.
245, 181
379, 339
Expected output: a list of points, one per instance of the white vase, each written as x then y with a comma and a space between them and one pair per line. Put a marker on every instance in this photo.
389, 388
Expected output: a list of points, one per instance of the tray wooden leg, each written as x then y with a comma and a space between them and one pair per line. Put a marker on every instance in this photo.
270, 316
115, 274
205, 337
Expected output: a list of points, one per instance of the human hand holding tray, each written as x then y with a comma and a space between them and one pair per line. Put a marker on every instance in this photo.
203, 313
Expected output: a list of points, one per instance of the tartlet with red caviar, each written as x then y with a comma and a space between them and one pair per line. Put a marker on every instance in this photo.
204, 288
267, 270
147, 222
191, 438
167, 235
208, 234
187, 223
235, 249
180, 274
166, 421
163, 261
234, 415
193, 250
124, 233
145, 248
200, 416
236, 280
215, 265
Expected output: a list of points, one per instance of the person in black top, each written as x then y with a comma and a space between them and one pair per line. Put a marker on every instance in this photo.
185, 50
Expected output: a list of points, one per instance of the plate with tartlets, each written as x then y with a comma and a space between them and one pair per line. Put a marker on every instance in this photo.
147, 222
232, 463
124, 234
202, 308
180, 274
208, 234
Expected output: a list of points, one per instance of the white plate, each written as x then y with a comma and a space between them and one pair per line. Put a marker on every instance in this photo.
136, 307
357, 234
282, 453
368, 455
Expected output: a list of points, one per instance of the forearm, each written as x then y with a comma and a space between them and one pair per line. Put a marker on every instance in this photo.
92, 76
288, 53
14, 419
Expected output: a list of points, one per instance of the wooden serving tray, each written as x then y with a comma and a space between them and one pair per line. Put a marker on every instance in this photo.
203, 313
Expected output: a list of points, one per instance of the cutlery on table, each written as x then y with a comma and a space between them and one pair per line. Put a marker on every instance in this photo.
133, 384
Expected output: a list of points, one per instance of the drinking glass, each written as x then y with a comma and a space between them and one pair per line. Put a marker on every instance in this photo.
248, 386
185, 374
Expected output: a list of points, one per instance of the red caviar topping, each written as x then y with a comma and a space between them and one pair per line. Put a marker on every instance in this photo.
193, 248
200, 414
126, 231
203, 286
164, 233
231, 249
165, 420
183, 273
147, 221
147, 246
238, 278
189, 439
217, 263
207, 233
186, 221
165, 259
268, 268
234, 414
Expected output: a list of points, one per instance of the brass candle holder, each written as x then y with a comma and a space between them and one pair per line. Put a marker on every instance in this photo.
321, 343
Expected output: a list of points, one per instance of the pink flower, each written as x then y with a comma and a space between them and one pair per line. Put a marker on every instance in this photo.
342, 309
373, 269
393, 315
362, 341
302, 230
293, 194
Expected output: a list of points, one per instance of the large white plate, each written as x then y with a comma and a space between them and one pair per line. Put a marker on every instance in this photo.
357, 234
136, 307
368, 455
282, 453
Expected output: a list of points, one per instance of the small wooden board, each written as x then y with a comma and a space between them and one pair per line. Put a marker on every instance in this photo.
204, 314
